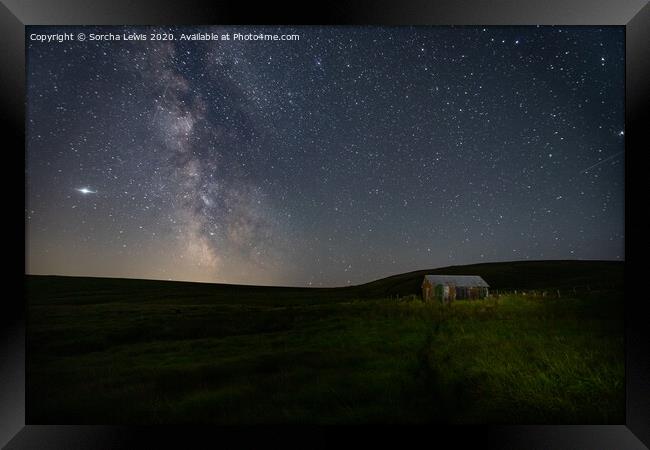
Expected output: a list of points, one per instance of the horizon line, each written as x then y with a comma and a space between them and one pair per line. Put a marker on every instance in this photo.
324, 287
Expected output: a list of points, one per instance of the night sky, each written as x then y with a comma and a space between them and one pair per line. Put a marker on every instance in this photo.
352, 154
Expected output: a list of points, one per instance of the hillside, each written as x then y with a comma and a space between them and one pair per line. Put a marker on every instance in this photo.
513, 275
118, 351
501, 276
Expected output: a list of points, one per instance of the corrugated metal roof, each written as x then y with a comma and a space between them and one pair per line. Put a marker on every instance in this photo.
457, 280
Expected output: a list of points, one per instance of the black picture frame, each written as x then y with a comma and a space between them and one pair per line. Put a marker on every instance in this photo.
16, 14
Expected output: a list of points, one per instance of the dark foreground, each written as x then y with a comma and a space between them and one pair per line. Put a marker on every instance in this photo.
107, 351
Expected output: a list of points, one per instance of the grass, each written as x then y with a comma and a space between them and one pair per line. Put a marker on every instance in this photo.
158, 353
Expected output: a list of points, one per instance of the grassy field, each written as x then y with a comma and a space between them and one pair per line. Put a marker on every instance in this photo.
140, 352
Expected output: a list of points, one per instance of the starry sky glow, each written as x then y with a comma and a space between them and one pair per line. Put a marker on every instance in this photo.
352, 154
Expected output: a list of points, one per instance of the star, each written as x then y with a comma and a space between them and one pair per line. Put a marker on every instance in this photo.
85, 191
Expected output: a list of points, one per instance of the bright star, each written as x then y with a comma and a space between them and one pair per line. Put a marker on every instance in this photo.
85, 191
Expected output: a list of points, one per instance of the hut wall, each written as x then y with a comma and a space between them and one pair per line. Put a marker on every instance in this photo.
427, 291
448, 292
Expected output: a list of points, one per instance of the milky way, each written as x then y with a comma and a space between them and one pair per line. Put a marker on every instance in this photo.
350, 154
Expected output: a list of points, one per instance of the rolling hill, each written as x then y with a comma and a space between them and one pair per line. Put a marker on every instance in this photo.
521, 275
128, 351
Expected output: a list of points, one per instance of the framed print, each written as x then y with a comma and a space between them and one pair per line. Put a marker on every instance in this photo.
406, 216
